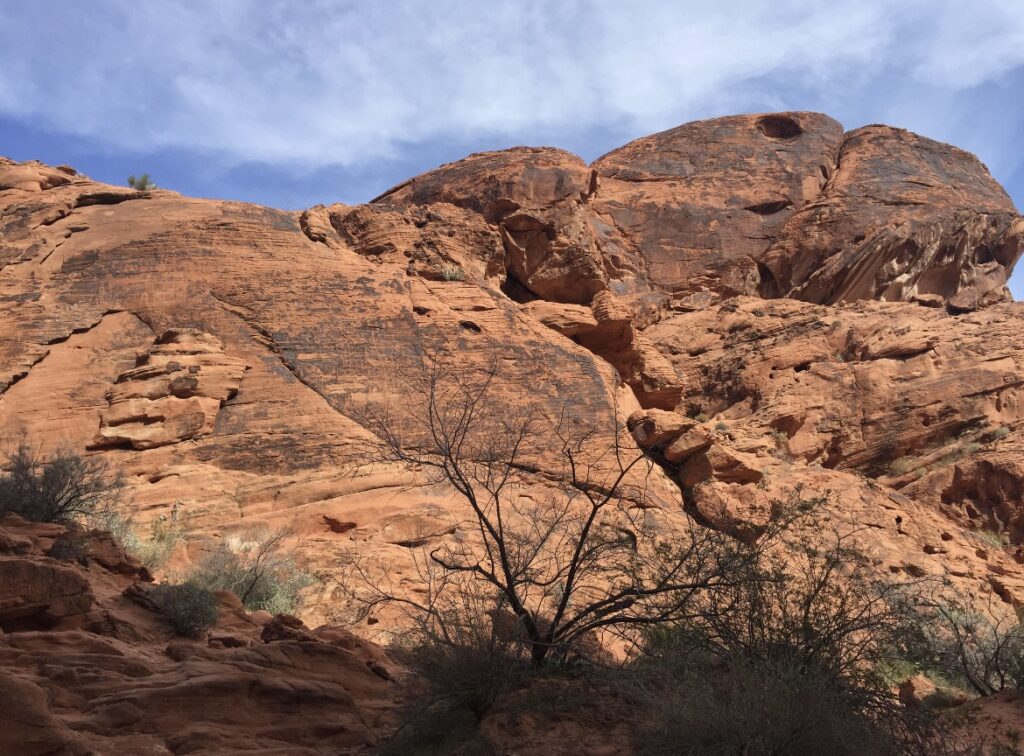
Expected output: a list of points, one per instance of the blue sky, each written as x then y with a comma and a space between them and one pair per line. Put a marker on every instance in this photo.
294, 103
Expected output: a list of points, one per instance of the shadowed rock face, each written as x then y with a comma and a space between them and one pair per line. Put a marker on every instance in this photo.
774, 305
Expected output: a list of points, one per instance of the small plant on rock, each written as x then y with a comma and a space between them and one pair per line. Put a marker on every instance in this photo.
189, 608
152, 551
453, 272
141, 183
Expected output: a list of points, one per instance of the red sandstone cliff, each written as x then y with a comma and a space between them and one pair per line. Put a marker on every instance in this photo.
773, 301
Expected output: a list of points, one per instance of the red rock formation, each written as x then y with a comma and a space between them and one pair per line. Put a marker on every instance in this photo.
779, 204
901, 216
776, 306
86, 667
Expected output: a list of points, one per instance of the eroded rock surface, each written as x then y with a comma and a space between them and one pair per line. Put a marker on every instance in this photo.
174, 394
777, 308
901, 216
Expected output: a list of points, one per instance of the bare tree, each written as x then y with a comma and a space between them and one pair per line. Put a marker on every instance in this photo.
581, 558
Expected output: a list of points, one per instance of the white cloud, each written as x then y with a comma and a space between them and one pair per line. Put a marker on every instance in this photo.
342, 82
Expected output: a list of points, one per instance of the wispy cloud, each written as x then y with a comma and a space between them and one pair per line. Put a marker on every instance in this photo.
347, 83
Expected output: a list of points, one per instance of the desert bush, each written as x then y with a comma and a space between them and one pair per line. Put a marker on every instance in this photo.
902, 465
189, 608
999, 539
772, 705
153, 550
977, 645
464, 661
141, 183
257, 567
790, 661
64, 488
453, 272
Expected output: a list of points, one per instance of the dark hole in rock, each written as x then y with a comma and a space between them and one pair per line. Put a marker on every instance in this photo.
469, 325
515, 290
769, 208
420, 310
802, 367
779, 127
337, 526
768, 286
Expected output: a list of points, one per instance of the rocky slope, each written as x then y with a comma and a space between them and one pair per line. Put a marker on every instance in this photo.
89, 668
773, 303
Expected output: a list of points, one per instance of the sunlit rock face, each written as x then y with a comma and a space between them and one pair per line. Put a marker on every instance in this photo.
768, 303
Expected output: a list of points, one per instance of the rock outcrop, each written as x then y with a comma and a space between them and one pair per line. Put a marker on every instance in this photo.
86, 667
780, 204
773, 306
173, 395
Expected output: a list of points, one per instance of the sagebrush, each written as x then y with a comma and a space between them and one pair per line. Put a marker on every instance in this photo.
258, 567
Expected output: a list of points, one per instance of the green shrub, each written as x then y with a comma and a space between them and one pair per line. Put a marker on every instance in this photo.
776, 704
978, 647
461, 664
189, 608
62, 489
141, 183
998, 539
468, 668
257, 568
453, 272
